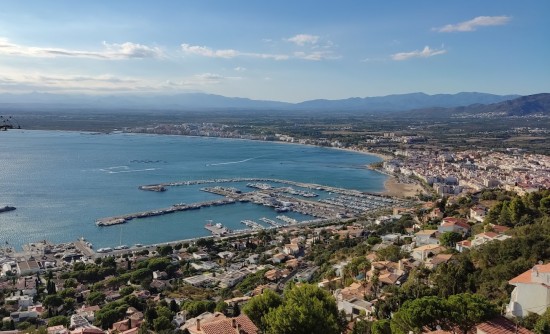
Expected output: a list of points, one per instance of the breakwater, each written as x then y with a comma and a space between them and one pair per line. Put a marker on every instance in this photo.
115, 220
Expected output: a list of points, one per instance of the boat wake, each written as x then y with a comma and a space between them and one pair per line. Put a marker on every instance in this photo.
124, 169
234, 162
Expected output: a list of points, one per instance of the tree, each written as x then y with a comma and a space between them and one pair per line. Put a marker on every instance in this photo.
305, 309
194, 308
544, 206
391, 253
68, 303
95, 298
174, 307
141, 275
158, 264
517, 210
70, 283
542, 326
462, 311
52, 301
162, 323
504, 217
419, 313
165, 250
362, 327
58, 320
381, 327
221, 306
466, 310
449, 239
50, 287
454, 276
260, 305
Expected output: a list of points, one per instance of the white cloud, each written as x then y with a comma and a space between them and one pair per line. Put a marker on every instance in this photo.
315, 55
425, 53
303, 39
132, 50
207, 52
204, 51
111, 51
239, 69
471, 25
227, 53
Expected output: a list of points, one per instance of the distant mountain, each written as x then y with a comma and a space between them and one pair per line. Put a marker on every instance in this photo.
185, 101
538, 104
404, 102
201, 101
529, 105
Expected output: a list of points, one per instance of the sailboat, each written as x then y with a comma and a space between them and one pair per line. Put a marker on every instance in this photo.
120, 245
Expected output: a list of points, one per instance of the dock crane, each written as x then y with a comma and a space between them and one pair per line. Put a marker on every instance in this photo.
8, 122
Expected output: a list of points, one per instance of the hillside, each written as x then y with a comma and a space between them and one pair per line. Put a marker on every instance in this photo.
537, 105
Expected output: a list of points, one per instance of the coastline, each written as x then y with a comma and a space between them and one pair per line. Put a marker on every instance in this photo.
394, 187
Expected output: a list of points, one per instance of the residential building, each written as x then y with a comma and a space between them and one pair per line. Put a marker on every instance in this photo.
531, 293
422, 253
426, 237
451, 224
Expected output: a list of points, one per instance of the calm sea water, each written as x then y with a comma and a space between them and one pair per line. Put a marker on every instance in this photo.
61, 182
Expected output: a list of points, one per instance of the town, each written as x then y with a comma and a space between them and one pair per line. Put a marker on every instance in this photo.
366, 262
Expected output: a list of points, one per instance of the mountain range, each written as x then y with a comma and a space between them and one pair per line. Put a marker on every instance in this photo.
202, 101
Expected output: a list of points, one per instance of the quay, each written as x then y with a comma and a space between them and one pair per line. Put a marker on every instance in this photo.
252, 224
270, 222
110, 221
252, 180
217, 230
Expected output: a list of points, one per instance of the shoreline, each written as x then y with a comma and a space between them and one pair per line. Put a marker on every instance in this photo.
395, 188
391, 188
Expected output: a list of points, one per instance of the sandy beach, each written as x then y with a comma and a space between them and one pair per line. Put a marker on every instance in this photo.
398, 189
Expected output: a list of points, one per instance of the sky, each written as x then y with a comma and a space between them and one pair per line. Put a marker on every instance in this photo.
285, 50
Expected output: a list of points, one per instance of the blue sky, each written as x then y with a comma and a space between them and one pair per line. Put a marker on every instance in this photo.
278, 50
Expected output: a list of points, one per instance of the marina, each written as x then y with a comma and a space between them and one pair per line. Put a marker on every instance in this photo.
252, 224
270, 222
217, 229
287, 219
67, 197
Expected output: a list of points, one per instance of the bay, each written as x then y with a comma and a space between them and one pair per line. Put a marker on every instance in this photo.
62, 182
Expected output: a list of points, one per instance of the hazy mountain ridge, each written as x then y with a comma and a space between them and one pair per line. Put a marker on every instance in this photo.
198, 101
524, 106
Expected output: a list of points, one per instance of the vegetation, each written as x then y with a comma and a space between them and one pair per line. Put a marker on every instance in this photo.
303, 309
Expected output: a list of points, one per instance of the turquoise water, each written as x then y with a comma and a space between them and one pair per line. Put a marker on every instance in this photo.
61, 182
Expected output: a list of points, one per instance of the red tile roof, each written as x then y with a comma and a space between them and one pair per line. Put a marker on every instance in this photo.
488, 234
526, 276
225, 326
501, 325
465, 243
450, 221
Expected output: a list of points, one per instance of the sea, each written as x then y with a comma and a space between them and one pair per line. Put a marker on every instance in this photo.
61, 182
